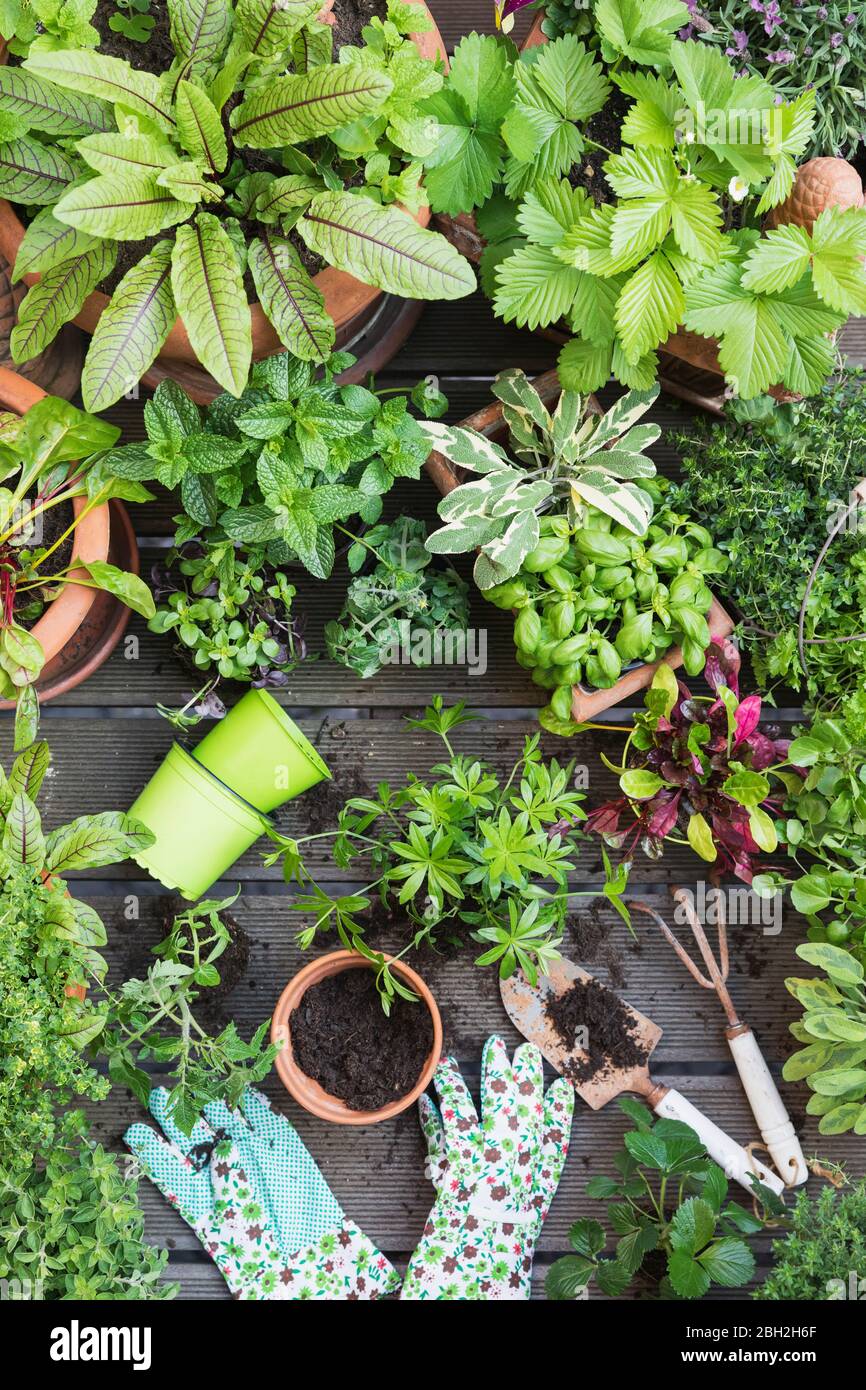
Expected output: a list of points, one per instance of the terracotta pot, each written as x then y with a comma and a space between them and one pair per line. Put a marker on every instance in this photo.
349, 302
57, 629
586, 704
309, 1093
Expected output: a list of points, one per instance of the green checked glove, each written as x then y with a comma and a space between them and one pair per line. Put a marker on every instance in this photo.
495, 1179
259, 1204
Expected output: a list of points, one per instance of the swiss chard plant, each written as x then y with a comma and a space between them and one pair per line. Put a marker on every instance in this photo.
700, 770
49, 953
671, 234
399, 605
569, 461
673, 1224
254, 146
464, 854
832, 1031
52, 457
278, 468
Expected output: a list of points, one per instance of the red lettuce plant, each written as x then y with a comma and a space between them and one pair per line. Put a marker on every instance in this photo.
702, 767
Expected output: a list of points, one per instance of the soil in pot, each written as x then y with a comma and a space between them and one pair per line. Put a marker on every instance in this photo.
610, 1026
30, 605
604, 130
342, 1039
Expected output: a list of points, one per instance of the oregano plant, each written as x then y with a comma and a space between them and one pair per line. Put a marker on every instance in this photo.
254, 152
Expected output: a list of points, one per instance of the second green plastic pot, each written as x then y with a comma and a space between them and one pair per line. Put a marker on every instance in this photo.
258, 751
201, 826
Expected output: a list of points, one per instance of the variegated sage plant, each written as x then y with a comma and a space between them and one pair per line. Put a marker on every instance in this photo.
569, 461
246, 143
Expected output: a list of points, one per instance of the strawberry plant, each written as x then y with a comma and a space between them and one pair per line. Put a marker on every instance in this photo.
246, 154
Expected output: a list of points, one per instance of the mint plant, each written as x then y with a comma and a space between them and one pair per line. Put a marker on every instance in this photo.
667, 1202
463, 855
399, 604
277, 469
109, 154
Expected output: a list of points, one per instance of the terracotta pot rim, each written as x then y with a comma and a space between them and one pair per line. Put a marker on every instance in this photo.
345, 297
303, 1088
90, 540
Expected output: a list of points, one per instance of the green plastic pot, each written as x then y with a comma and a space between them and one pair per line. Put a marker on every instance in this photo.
201, 826
260, 753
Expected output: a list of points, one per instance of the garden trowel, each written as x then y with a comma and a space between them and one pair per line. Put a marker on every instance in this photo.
525, 1005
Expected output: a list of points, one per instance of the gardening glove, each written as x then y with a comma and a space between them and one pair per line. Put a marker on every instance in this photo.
495, 1179
259, 1204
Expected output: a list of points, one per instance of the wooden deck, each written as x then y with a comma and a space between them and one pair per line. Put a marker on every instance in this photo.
107, 739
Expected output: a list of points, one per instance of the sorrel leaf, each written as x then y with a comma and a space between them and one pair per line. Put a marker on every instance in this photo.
44, 106
131, 331
200, 127
385, 247
292, 302
292, 109
124, 207
200, 30
136, 156
47, 242
30, 172
267, 25
57, 298
209, 293
110, 79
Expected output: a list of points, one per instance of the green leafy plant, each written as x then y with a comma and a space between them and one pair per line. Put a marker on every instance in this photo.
823, 1250
53, 456
278, 468
71, 1226
152, 1019
232, 618
133, 20
112, 154
699, 770
49, 954
805, 44
823, 825
832, 1060
671, 235
42, 25
570, 462
400, 606
465, 854
773, 482
609, 599
668, 1208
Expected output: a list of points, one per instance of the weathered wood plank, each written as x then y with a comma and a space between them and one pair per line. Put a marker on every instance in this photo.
99, 766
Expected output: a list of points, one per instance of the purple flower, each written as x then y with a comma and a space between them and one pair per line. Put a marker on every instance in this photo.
808, 50
757, 6
740, 44
850, 19
772, 17
687, 32
782, 55
823, 12
836, 40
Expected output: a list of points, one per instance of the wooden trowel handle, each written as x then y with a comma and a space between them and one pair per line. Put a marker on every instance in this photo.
730, 1156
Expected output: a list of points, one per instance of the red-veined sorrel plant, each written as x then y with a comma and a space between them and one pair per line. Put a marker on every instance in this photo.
699, 768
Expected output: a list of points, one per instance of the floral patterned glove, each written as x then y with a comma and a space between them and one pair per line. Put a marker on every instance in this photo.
259, 1204
495, 1179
